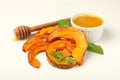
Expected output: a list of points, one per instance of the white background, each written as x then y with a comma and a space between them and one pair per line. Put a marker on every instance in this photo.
13, 61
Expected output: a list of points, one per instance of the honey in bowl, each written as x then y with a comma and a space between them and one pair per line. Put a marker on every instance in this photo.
88, 21
91, 24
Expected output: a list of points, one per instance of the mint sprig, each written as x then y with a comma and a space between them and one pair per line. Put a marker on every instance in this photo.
95, 48
60, 57
70, 60
63, 23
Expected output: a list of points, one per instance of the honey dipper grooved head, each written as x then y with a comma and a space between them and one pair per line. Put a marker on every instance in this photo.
22, 32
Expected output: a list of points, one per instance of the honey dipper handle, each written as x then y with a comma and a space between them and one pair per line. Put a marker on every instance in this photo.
38, 27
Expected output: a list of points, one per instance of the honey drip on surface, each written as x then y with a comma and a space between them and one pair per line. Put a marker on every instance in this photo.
16, 39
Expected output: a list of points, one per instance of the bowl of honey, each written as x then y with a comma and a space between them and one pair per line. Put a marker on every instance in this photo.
91, 24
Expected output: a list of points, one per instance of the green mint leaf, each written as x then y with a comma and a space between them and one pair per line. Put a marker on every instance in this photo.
70, 60
58, 55
63, 23
95, 48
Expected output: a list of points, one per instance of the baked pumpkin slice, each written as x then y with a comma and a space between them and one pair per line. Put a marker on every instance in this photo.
39, 46
38, 43
31, 42
75, 35
46, 31
37, 37
60, 55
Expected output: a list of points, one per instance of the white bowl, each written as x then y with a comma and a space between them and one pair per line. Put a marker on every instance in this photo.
94, 33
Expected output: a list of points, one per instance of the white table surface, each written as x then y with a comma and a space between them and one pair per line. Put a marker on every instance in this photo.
13, 61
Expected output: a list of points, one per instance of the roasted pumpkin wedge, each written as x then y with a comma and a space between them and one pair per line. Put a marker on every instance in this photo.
46, 31
33, 41
59, 46
36, 49
73, 34
38, 45
64, 47
37, 38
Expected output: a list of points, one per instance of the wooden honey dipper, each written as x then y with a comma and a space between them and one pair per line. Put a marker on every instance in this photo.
22, 32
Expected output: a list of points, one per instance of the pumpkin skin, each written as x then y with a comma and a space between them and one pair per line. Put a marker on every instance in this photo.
76, 35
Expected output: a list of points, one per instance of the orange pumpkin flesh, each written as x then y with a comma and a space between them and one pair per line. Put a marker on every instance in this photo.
41, 46
66, 52
36, 44
76, 35
33, 52
33, 41
46, 31
56, 46
70, 41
